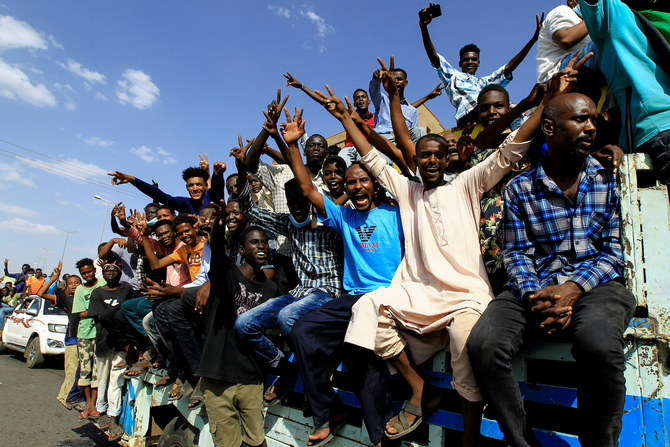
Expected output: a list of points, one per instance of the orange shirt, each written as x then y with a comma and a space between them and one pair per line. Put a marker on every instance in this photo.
192, 257
33, 284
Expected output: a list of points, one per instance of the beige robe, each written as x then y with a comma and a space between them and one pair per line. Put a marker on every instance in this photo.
442, 273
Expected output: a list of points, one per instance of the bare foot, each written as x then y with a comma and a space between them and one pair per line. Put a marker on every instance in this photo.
318, 436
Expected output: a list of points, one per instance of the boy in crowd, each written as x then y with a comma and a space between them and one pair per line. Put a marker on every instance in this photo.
63, 298
463, 87
104, 304
373, 249
232, 382
196, 185
88, 368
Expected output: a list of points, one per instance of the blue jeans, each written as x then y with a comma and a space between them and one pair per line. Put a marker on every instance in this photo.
283, 312
4, 311
591, 63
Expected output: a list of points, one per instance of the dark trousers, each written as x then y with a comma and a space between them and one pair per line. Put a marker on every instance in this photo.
659, 150
178, 323
318, 344
598, 321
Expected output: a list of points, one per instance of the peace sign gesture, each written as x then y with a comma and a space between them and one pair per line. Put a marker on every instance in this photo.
293, 129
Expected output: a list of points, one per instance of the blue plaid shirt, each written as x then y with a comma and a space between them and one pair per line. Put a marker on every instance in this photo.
549, 239
463, 88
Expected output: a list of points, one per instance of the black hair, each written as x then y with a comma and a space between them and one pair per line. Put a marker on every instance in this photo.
165, 207
493, 88
160, 223
335, 159
360, 90
243, 235
83, 263
208, 207
292, 185
182, 219
26, 266
432, 137
469, 48
234, 174
195, 172
73, 276
401, 71
314, 136
153, 205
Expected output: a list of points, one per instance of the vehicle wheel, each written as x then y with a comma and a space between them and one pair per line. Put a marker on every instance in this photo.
34, 356
177, 433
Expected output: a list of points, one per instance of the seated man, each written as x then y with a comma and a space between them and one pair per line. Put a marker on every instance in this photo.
196, 185
463, 87
373, 248
564, 259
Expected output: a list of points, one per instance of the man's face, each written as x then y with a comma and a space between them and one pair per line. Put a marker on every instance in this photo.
298, 205
360, 188
111, 274
72, 283
255, 185
452, 151
151, 212
235, 220
87, 273
255, 247
231, 186
315, 150
333, 177
574, 131
38, 273
165, 235
400, 82
187, 234
492, 105
431, 159
165, 214
572, 3
24, 268
469, 62
196, 187
361, 100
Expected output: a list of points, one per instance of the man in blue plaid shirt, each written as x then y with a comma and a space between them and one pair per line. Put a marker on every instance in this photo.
564, 261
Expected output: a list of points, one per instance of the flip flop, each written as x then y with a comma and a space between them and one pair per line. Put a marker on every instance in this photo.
137, 369
177, 391
334, 425
94, 415
166, 380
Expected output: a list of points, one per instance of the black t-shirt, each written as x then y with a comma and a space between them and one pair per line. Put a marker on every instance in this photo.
231, 294
64, 301
102, 307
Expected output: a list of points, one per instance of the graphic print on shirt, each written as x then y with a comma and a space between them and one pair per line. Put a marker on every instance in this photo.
246, 300
193, 258
364, 234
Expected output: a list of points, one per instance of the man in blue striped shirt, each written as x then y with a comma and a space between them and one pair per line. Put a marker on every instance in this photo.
564, 261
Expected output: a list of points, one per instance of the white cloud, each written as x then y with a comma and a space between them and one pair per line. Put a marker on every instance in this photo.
17, 34
15, 84
19, 210
70, 168
20, 225
280, 11
99, 96
12, 174
137, 89
78, 69
71, 105
95, 141
153, 156
322, 28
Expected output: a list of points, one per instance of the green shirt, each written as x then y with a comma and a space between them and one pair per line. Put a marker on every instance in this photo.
82, 297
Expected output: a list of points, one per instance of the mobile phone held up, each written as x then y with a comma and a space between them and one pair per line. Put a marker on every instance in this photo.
432, 11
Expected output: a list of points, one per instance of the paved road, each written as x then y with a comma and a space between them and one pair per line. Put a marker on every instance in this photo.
31, 416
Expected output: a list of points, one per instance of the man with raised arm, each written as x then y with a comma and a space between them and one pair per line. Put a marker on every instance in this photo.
440, 288
564, 259
373, 249
463, 87
196, 185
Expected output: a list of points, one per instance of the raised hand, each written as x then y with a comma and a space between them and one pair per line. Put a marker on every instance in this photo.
466, 145
332, 103
220, 213
141, 223
240, 152
539, 21
437, 91
386, 75
537, 94
270, 126
119, 211
565, 80
204, 162
119, 178
293, 129
57, 270
275, 108
354, 114
424, 15
292, 82
219, 167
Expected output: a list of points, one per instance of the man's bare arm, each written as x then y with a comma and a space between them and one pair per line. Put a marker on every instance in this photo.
567, 38
516, 60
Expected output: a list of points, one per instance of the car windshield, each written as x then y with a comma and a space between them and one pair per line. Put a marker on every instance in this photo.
50, 309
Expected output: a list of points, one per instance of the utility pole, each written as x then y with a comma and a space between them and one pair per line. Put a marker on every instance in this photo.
46, 255
67, 236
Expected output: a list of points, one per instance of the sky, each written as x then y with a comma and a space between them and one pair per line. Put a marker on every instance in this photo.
143, 87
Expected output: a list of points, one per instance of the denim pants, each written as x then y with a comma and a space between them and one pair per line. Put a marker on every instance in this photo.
598, 321
135, 310
283, 312
318, 344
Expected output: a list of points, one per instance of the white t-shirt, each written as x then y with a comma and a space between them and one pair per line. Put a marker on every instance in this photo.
549, 54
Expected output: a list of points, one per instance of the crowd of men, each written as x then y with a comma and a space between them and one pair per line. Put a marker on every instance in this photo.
395, 246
